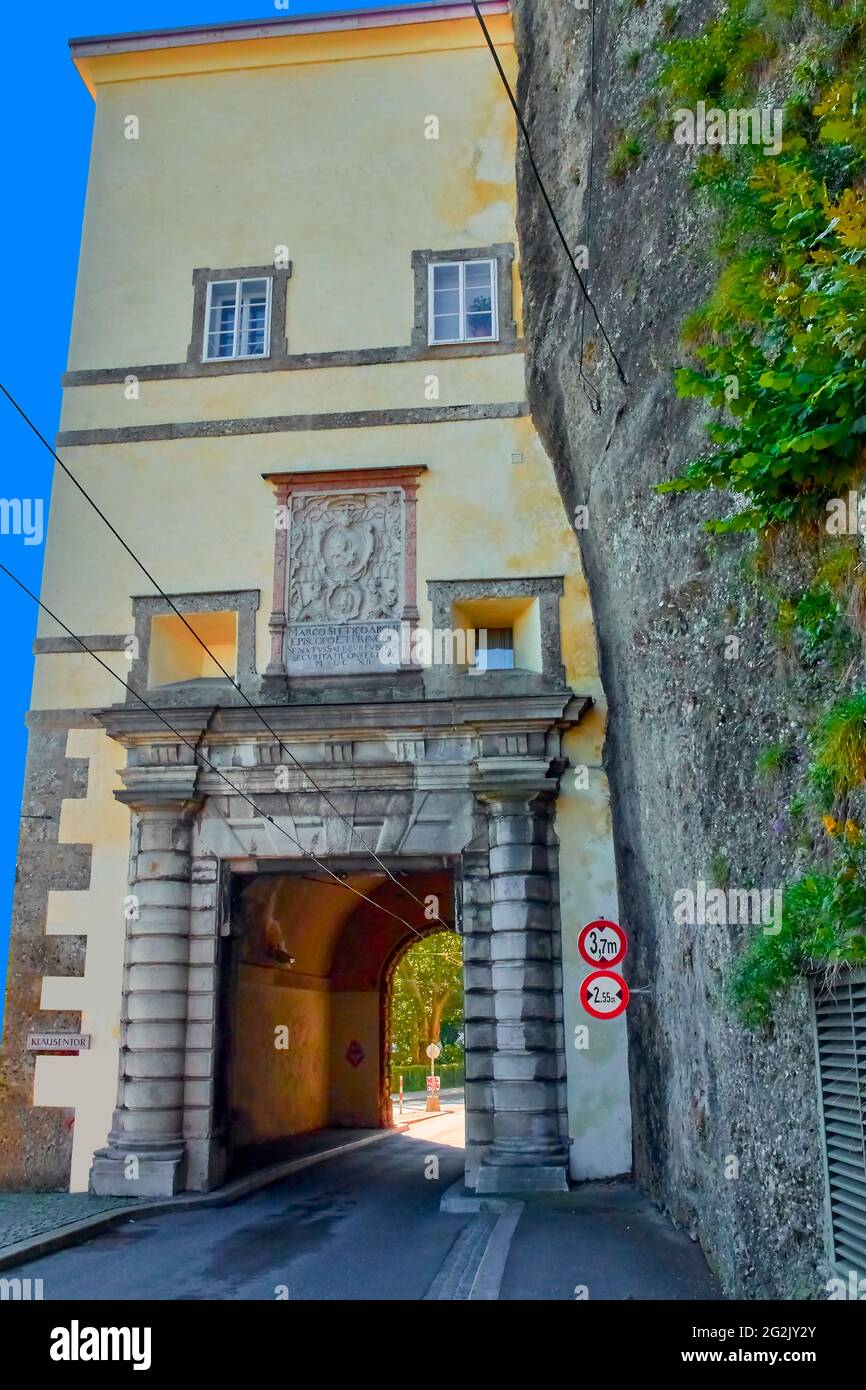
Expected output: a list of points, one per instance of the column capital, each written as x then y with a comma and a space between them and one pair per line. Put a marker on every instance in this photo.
508, 786
167, 791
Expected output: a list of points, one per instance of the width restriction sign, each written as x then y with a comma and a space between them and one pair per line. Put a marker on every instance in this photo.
604, 994
602, 943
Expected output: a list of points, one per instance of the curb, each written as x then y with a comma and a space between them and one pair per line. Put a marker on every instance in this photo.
475, 1266
77, 1231
404, 1121
459, 1200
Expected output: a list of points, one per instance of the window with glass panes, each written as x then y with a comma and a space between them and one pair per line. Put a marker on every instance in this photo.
462, 302
495, 649
237, 319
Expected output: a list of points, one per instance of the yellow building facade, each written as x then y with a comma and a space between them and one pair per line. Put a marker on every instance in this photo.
296, 391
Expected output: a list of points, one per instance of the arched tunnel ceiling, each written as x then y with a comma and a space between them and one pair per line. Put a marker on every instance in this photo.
330, 932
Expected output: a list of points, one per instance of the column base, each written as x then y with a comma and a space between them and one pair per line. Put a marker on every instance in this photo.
537, 1177
131, 1173
524, 1165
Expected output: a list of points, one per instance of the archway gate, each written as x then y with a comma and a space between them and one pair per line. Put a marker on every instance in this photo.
305, 1015
468, 783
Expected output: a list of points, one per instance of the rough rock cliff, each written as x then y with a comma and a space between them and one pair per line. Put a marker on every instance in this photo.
725, 1121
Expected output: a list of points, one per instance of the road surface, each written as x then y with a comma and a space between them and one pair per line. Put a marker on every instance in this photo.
363, 1226
367, 1226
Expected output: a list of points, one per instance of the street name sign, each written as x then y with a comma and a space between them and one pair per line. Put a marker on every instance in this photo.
58, 1042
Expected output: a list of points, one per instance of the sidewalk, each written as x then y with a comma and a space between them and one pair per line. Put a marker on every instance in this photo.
603, 1241
599, 1241
24, 1215
415, 1104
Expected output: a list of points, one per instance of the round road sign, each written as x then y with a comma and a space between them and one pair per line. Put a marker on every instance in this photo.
433, 1050
602, 943
604, 994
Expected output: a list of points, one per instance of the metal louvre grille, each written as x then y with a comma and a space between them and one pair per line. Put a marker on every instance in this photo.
840, 1020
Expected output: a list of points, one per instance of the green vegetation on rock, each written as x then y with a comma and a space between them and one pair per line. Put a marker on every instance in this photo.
779, 353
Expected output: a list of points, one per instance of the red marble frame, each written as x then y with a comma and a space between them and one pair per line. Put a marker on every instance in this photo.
340, 480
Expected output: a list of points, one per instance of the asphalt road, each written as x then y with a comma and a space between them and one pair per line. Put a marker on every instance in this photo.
365, 1226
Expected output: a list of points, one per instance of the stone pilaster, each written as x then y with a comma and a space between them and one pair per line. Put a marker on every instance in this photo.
146, 1152
529, 1147
479, 1028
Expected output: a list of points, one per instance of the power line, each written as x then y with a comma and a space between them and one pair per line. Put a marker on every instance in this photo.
550, 208
255, 708
308, 854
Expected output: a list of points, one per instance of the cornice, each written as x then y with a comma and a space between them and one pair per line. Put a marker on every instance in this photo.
132, 725
287, 41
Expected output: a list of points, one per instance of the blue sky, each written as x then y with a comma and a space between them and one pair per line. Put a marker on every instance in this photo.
47, 116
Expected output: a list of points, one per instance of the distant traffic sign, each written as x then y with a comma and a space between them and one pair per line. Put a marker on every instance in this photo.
434, 1083
602, 943
604, 994
433, 1050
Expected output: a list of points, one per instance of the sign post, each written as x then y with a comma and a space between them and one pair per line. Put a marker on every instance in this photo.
433, 1050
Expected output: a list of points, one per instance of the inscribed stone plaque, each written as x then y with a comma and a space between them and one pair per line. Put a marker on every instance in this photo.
345, 579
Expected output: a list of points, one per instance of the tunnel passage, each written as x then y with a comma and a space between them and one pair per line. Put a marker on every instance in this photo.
305, 1017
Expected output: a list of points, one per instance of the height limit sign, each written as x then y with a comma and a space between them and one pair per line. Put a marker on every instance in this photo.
602, 943
604, 993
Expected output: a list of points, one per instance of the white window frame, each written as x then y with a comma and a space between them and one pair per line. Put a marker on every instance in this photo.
238, 356
432, 340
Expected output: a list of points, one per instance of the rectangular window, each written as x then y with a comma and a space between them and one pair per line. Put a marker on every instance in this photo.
237, 319
462, 302
499, 652
176, 657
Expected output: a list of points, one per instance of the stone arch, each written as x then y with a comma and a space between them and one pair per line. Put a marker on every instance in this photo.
461, 783
397, 956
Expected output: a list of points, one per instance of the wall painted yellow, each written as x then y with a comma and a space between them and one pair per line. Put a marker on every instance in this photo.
317, 144
175, 655
89, 1082
277, 1091
329, 160
355, 1090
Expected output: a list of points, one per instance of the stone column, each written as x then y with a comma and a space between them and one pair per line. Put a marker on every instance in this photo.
146, 1155
479, 1028
529, 1151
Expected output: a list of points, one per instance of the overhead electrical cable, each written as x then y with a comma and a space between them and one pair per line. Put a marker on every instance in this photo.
255, 708
546, 196
202, 758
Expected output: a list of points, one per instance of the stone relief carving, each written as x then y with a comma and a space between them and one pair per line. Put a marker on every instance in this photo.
346, 557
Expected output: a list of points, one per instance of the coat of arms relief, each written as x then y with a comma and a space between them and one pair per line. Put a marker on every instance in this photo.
346, 557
